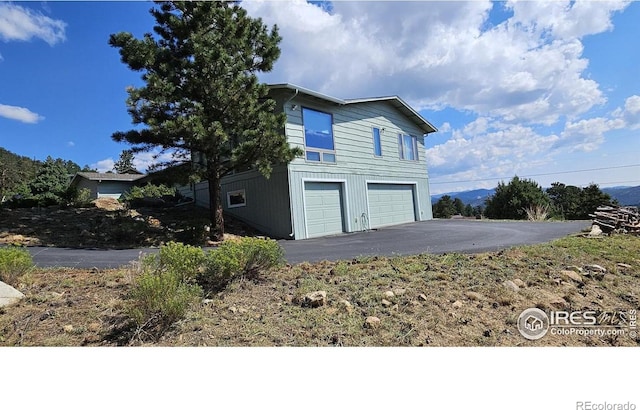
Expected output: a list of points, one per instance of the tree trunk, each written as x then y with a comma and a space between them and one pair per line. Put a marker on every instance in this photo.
215, 208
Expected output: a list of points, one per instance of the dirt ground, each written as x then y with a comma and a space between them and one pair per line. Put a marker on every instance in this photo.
422, 300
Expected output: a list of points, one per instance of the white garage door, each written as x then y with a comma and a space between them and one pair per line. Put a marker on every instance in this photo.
323, 203
390, 204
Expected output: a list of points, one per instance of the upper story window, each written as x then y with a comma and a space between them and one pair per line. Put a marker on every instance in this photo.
377, 145
408, 147
318, 136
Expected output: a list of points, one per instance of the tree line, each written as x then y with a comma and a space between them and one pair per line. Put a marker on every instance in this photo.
29, 182
526, 199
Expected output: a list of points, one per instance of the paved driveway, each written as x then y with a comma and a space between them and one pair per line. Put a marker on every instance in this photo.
437, 236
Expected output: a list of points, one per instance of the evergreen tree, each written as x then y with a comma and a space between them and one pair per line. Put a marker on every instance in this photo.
590, 199
565, 200
125, 163
458, 205
511, 200
201, 97
49, 186
468, 210
444, 208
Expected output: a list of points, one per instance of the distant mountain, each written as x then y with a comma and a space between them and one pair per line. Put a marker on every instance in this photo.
626, 195
475, 197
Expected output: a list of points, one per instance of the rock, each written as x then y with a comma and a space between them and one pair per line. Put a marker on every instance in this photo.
595, 271
595, 268
68, 328
575, 268
422, 297
389, 294
519, 283
372, 322
399, 292
595, 231
623, 265
474, 295
108, 204
242, 310
314, 299
207, 301
345, 304
386, 303
233, 309
574, 276
9, 295
457, 304
288, 298
511, 285
559, 303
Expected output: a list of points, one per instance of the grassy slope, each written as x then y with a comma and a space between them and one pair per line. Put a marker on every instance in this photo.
464, 301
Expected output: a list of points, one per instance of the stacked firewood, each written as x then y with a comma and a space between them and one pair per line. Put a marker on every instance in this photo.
617, 219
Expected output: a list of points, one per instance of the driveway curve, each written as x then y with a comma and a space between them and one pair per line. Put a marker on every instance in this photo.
436, 236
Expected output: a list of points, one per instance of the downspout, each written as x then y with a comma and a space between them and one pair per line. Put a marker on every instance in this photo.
292, 235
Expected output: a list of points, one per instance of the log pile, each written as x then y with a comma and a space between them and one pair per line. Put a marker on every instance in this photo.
617, 219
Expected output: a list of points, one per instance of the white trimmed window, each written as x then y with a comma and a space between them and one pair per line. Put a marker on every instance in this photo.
236, 199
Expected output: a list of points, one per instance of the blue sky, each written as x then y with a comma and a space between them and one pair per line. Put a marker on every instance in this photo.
542, 89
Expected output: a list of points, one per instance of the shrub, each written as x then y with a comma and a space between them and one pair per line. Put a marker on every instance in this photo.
81, 198
14, 262
233, 260
149, 191
160, 298
163, 292
537, 213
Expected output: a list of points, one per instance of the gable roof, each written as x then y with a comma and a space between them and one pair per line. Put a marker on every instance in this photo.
102, 176
394, 100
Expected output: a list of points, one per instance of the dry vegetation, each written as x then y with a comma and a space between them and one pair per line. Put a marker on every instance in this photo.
437, 300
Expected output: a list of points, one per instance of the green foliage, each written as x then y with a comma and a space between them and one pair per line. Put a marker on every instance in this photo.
444, 208
160, 298
246, 258
80, 198
15, 172
14, 262
511, 200
125, 163
571, 202
468, 210
201, 92
149, 191
592, 197
164, 291
458, 205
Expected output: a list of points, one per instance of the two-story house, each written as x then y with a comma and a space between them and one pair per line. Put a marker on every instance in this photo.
363, 168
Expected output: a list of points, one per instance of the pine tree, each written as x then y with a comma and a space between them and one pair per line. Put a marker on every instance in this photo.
510, 201
202, 98
125, 163
50, 183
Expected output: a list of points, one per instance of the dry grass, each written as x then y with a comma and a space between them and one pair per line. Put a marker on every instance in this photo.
439, 300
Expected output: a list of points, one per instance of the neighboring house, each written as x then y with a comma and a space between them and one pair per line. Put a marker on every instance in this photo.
105, 184
364, 167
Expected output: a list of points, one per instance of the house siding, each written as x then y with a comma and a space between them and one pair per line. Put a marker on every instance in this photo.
112, 189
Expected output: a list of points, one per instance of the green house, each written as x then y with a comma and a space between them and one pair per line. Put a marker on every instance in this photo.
363, 168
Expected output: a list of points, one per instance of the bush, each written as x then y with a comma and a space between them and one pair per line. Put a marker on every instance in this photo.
149, 191
14, 262
164, 291
233, 260
81, 198
158, 299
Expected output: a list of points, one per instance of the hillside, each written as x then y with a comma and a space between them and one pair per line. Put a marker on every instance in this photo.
628, 196
474, 197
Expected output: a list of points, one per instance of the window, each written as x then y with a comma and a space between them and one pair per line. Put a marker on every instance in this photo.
377, 146
236, 199
318, 136
408, 147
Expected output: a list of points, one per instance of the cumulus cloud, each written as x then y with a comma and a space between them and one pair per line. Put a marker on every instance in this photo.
23, 24
144, 160
21, 114
104, 165
630, 114
529, 68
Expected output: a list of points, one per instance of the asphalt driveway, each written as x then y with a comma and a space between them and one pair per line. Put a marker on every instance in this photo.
437, 236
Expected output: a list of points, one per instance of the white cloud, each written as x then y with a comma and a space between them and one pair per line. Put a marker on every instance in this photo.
586, 135
630, 114
21, 114
144, 160
104, 165
23, 24
71, 144
529, 68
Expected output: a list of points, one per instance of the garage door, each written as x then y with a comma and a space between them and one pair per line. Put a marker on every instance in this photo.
390, 204
323, 202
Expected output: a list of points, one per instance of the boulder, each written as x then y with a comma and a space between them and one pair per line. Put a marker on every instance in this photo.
509, 284
574, 276
9, 295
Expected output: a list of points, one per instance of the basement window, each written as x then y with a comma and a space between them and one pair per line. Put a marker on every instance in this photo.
236, 199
